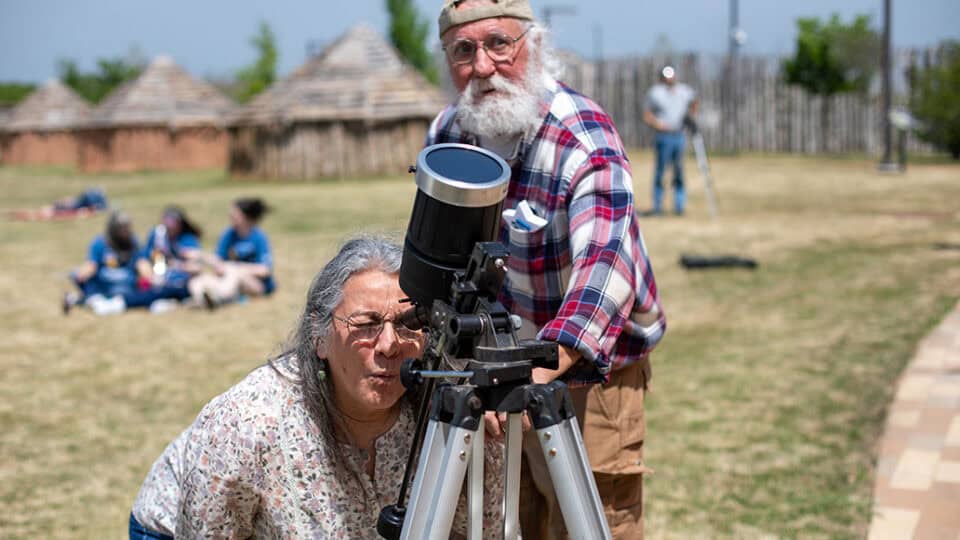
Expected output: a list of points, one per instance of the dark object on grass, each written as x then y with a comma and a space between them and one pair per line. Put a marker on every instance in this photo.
696, 262
946, 245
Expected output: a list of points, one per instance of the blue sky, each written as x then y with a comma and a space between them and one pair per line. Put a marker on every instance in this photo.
210, 37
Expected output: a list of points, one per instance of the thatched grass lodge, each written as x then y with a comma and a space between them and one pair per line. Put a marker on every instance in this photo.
355, 109
38, 131
162, 120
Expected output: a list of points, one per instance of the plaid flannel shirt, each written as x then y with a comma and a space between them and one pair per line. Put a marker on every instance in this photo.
584, 279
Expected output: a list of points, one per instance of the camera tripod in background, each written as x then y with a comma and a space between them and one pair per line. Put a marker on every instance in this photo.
700, 151
495, 377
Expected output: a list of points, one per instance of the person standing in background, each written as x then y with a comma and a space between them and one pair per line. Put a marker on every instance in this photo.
664, 109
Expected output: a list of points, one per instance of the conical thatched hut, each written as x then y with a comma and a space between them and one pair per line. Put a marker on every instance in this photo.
355, 109
38, 131
162, 120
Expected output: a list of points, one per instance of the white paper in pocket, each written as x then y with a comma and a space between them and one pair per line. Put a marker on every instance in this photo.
523, 218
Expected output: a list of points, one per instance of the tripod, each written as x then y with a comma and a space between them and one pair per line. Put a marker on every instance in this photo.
496, 378
700, 151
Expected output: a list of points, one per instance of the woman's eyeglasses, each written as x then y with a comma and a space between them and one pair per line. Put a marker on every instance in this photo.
367, 325
499, 47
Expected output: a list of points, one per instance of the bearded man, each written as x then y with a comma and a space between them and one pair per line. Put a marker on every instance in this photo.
579, 275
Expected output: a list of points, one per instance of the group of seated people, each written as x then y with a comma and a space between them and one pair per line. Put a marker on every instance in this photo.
312, 444
170, 267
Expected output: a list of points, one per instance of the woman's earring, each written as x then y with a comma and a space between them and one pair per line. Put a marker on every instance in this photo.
322, 366
322, 370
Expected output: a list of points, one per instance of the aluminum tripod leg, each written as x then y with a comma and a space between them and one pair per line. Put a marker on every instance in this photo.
475, 488
570, 472
700, 151
513, 455
436, 489
447, 451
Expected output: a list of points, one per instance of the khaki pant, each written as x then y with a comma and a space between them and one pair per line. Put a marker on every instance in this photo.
611, 417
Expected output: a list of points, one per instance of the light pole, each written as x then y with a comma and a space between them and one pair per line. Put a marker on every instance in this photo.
736, 38
737, 35
886, 163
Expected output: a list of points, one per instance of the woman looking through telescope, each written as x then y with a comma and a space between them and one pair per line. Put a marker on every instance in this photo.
314, 443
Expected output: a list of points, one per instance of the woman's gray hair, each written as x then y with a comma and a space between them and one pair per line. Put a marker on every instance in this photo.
357, 255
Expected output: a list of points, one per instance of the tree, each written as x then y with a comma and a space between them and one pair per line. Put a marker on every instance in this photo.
833, 57
936, 102
256, 77
110, 73
409, 35
12, 93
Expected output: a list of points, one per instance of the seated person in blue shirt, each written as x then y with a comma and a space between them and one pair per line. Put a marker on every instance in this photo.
173, 251
243, 264
115, 275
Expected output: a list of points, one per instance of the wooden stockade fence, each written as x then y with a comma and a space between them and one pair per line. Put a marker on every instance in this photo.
760, 114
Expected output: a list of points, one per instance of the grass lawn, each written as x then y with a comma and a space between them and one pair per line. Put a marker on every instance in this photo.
769, 389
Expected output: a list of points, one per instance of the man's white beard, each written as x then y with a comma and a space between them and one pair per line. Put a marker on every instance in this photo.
512, 110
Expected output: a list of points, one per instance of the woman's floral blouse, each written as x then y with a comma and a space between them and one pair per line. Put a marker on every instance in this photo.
253, 465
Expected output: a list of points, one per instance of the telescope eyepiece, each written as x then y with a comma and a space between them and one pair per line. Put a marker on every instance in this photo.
415, 318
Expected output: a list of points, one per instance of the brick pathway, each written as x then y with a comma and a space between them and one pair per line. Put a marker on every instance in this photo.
917, 492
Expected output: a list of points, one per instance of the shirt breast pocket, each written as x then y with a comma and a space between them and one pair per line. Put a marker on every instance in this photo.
527, 256
538, 270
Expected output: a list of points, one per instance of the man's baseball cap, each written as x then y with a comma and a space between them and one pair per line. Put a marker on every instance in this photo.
451, 14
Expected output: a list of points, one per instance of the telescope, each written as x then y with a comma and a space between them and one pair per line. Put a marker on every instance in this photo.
452, 270
460, 192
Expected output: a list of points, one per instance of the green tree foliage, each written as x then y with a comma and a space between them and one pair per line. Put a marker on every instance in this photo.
409, 35
12, 93
936, 101
256, 77
834, 57
110, 73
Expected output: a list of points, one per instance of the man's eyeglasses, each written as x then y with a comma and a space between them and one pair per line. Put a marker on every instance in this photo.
499, 47
367, 325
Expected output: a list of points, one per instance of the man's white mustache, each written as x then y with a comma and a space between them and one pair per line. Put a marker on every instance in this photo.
495, 82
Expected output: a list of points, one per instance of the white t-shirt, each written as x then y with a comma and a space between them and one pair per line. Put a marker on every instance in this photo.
670, 103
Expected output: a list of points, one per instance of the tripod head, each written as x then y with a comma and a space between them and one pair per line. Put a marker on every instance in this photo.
474, 327
691, 124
